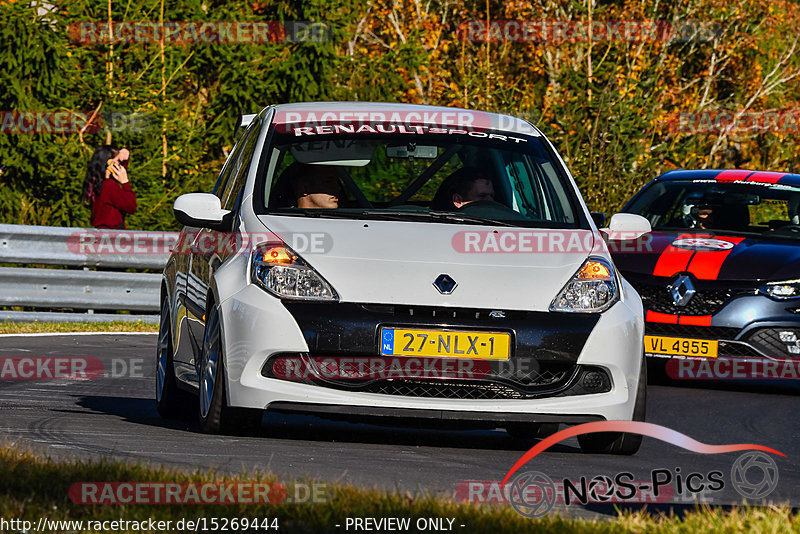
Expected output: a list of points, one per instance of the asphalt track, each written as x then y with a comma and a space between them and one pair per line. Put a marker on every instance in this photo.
114, 416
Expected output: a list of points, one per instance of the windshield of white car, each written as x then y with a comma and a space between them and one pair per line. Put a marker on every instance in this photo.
735, 208
458, 179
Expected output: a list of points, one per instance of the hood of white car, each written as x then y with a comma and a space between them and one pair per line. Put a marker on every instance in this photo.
390, 262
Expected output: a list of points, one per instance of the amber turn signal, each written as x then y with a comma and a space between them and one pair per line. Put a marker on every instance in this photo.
593, 269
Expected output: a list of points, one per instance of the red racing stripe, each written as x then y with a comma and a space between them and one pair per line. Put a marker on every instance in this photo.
697, 320
655, 317
733, 174
706, 263
766, 177
673, 259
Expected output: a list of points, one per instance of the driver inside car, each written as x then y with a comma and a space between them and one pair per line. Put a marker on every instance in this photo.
704, 216
316, 186
699, 216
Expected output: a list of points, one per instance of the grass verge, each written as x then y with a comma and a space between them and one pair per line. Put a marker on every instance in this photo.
32, 487
10, 327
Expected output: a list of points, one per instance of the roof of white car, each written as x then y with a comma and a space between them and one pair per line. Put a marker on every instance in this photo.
436, 116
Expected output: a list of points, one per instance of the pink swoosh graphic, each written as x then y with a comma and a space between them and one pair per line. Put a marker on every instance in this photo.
635, 427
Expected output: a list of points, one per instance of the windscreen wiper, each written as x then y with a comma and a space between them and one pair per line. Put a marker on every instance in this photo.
312, 212
468, 219
400, 215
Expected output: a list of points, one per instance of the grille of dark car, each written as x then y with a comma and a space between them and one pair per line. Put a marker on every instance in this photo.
704, 302
740, 350
768, 340
692, 331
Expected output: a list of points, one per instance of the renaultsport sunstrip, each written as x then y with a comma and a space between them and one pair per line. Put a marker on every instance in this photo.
720, 273
388, 262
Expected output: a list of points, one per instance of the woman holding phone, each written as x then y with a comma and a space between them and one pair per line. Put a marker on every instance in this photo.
107, 189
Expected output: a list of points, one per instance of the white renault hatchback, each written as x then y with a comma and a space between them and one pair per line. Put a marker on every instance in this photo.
387, 263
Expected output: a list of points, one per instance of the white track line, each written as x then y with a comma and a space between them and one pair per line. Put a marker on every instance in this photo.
43, 334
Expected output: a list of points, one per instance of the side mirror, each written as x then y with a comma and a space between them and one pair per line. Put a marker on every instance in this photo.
202, 210
625, 226
599, 219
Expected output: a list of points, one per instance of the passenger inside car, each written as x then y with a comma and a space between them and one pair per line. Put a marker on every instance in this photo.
732, 217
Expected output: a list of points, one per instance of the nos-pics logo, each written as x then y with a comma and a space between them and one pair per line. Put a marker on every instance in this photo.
754, 474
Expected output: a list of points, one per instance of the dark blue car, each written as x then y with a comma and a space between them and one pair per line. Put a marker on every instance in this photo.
719, 275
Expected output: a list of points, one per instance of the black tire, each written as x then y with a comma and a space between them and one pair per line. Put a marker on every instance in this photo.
620, 442
530, 431
171, 401
214, 414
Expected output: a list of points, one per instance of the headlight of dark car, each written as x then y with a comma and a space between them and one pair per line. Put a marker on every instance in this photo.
782, 290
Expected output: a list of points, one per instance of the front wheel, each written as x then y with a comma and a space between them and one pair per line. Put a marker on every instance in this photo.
620, 442
171, 401
214, 413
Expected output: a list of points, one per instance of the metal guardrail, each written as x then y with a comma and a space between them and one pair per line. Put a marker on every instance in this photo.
62, 288
84, 247
61, 317
80, 290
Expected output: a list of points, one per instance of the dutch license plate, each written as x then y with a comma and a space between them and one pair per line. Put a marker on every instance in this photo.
439, 343
677, 346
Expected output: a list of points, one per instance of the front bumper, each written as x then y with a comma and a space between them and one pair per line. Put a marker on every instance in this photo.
760, 340
382, 413
257, 326
748, 325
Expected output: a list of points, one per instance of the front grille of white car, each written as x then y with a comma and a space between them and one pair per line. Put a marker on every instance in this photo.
444, 390
550, 379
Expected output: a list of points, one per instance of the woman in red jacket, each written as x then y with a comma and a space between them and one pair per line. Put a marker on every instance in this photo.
107, 189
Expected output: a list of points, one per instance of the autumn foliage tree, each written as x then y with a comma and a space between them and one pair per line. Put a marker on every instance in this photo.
611, 105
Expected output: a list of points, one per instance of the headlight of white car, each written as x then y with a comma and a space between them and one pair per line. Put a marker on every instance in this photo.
782, 290
284, 274
594, 288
